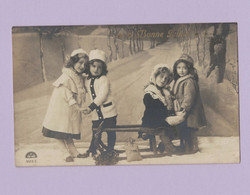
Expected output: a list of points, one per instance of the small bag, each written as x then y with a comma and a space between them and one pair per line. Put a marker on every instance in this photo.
132, 150
177, 119
179, 115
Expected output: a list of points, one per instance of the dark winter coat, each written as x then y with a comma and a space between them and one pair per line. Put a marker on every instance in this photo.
187, 93
155, 112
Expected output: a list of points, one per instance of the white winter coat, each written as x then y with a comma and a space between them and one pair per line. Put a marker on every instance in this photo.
61, 116
102, 98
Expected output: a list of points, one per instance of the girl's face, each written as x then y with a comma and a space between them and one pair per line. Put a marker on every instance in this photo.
96, 68
162, 79
79, 66
182, 69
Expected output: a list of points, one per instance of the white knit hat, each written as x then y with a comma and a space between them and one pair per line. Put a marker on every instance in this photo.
97, 54
78, 51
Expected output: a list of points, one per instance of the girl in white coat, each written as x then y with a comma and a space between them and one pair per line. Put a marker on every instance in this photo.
63, 117
102, 106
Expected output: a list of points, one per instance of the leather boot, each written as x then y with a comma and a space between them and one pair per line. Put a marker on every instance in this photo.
194, 142
169, 147
191, 144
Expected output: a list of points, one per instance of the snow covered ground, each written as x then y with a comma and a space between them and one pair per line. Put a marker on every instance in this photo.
212, 150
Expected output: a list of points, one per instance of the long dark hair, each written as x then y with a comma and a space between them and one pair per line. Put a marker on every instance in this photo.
190, 66
104, 68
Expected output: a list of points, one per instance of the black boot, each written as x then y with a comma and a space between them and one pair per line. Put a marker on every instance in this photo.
84, 155
161, 147
168, 145
191, 143
194, 142
180, 150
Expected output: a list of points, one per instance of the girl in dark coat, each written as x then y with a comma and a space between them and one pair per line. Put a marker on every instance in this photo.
187, 94
159, 105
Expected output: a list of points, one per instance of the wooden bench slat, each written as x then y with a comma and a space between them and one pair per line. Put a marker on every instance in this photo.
128, 126
131, 129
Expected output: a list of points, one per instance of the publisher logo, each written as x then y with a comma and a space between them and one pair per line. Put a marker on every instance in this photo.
31, 157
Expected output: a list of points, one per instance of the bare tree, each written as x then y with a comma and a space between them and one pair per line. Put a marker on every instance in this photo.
110, 57
182, 33
198, 40
204, 48
47, 32
129, 30
41, 32
116, 30
134, 39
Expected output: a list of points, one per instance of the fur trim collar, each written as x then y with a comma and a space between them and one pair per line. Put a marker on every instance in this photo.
179, 80
164, 96
155, 93
77, 79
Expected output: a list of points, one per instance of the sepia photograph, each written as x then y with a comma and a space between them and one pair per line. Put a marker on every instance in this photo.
135, 94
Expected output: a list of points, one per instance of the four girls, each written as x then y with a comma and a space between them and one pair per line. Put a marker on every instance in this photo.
63, 117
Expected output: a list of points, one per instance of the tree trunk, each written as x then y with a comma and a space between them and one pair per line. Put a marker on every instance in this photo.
110, 57
198, 50
130, 46
134, 47
44, 76
189, 45
142, 45
152, 40
137, 43
122, 53
63, 51
116, 47
204, 49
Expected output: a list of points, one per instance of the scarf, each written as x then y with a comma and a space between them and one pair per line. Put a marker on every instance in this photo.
164, 96
179, 80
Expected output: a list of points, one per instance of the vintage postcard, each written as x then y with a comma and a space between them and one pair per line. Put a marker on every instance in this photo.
126, 94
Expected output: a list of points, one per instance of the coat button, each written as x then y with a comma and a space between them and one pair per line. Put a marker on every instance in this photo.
91, 85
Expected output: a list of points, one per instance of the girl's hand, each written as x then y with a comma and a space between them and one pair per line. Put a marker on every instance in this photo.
82, 109
75, 107
184, 111
86, 111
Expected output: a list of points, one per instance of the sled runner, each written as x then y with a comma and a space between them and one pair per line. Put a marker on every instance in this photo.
125, 128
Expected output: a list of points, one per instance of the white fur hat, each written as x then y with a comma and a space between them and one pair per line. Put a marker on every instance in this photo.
156, 69
97, 54
78, 51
